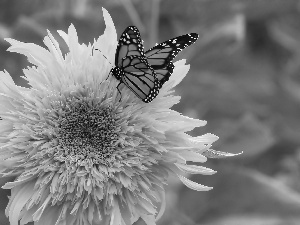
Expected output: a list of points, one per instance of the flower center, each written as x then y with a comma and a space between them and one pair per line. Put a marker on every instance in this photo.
87, 132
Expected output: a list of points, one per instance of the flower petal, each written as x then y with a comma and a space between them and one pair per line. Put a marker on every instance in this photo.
107, 43
192, 156
37, 215
180, 71
149, 219
163, 205
8, 89
210, 153
193, 169
5, 126
5, 81
116, 214
193, 185
36, 55
54, 48
50, 216
205, 138
184, 123
18, 202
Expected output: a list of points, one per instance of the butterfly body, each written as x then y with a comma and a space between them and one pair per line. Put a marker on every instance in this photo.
136, 73
144, 73
117, 72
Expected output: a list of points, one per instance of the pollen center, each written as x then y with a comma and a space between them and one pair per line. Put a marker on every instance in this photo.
87, 132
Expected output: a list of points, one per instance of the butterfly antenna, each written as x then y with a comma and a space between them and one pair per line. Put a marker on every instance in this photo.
107, 61
103, 56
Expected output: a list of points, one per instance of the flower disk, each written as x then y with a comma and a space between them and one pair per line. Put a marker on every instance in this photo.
87, 132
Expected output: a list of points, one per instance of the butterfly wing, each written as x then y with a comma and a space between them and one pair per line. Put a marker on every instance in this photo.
145, 73
163, 74
130, 43
160, 56
140, 78
131, 67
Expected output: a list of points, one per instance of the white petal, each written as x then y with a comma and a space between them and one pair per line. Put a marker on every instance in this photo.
192, 156
126, 215
184, 123
74, 44
193, 185
181, 62
110, 27
163, 205
7, 86
193, 169
54, 48
27, 216
20, 182
149, 219
116, 214
147, 205
107, 43
37, 215
36, 54
206, 138
210, 153
180, 71
18, 202
6, 80
50, 216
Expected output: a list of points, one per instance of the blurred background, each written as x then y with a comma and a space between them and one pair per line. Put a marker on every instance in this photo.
244, 80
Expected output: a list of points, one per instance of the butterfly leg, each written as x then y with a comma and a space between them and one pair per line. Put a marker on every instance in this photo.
108, 75
119, 91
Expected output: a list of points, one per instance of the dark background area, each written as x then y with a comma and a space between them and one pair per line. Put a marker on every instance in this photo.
244, 80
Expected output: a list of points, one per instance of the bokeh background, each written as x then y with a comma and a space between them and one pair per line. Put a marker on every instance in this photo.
244, 80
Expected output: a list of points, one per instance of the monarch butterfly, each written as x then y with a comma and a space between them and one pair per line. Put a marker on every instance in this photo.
145, 73
132, 68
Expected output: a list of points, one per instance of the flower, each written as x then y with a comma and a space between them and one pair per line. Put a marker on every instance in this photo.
81, 155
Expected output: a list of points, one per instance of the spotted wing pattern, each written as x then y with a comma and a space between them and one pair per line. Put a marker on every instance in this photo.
145, 73
160, 56
130, 43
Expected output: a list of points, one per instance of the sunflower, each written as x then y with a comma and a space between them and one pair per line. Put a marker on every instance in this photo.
78, 153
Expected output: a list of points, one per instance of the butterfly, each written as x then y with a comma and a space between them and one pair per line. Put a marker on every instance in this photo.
132, 68
144, 73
